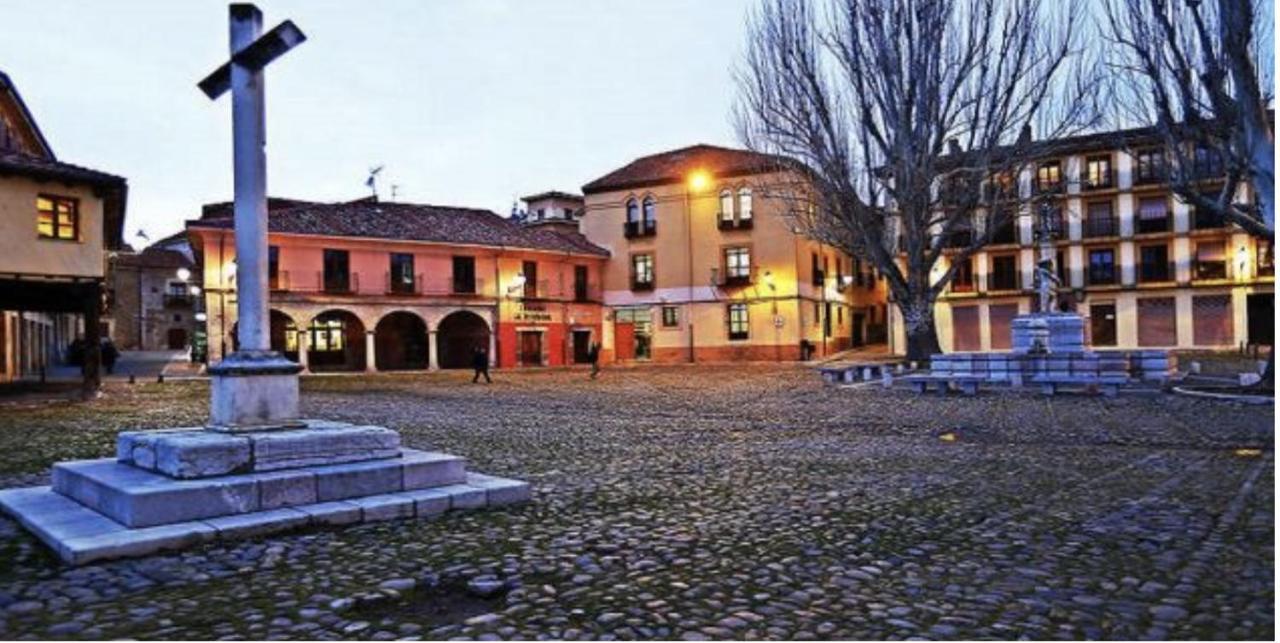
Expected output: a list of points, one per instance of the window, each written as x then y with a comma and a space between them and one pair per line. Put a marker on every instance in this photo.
633, 211
1006, 230
581, 274
642, 272
1049, 177
739, 325
726, 205
1097, 173
1211, 260
337, 274
670, 316
962, 278
1207, 163
464, 275
1266, 260
641, 222
650, 212
737, 265
1004, 273
58, 218
1100, 220
1060, 265
328, 335
542, 213
1207, 218
818, 277
1153, 215
1154, 264
1150, 166
858, 277
273, 267
744, 204
1102, 267
401, 276
530, 271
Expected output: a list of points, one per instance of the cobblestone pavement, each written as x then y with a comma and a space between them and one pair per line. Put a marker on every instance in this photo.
710, 502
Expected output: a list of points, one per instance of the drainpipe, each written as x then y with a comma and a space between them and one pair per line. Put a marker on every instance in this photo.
688, 223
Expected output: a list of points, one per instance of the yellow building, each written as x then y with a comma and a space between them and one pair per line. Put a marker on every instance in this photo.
57, 220
706, 266
1144, 268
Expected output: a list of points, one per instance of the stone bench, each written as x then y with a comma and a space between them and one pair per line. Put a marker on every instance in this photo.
851, 373
1108, 383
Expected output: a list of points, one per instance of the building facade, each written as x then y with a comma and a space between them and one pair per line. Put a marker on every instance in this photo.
154, 298
1144, 268
377, 286
57, 222
705, 265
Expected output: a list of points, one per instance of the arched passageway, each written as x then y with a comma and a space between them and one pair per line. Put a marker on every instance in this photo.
336, 342
400, 342
458, 335
283, 335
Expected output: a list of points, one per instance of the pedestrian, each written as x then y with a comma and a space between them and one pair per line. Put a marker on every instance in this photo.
109, 355
593, 356
480, 362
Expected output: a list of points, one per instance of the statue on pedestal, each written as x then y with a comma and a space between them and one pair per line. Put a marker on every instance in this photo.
1046, 283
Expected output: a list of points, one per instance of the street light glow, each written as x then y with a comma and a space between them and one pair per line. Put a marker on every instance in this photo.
699, 180
184, 274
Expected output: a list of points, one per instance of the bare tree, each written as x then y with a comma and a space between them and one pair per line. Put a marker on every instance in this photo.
1199, 73
909, 123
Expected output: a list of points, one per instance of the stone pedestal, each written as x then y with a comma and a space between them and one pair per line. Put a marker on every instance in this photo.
252, 390
1051, 332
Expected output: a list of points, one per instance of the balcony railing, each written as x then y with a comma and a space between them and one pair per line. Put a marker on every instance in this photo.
1149, 225
1100, 226
1204, 219
963, 286
1101, 275
1209, 270
339, 284
639, 285
1048, 187
588, 292
397, 286
733, 224
1156, 272
634, 229
737, 279
1150, 176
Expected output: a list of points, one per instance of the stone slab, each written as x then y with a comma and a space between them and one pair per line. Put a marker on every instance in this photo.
429, 502
202, 454
423, 469
464, 496
502, 491
258, 523
339, 512
311, 446
358, 479
138, 498
385, 507
286, 489
244, 398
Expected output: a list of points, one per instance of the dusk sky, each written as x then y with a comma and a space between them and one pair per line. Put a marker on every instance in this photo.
466, 103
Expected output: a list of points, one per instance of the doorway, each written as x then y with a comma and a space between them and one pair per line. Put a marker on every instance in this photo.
177, 339
581, 346
858, 320
530, 348
1102, 324
1261, 312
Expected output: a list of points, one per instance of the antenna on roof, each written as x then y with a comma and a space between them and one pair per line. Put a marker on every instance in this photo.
395, 189
372, 181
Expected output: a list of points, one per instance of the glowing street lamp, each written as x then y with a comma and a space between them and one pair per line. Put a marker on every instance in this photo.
183, 274
699, 180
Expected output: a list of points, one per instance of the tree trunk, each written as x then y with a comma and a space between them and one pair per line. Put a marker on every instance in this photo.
922, 336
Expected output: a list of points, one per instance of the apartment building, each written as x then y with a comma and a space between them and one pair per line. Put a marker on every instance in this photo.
1146, 269
704, 265
375, 286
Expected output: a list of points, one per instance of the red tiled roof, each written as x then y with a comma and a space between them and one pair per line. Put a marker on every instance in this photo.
225, 208
675, 166
154, 258
415, 222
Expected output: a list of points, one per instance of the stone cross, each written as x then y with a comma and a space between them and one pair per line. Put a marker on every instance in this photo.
253, 388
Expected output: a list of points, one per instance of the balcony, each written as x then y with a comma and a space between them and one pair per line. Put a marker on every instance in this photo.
733, 224
1102, 275
402, 287
1152, 225
958, 286
1094, 227
641, 285
1209, 270
1048, 188
636, 229
1003, 280
340, 284
461, 285
279, 281
1150, 176
587, 293
1204, 219
1005, 234
737, 279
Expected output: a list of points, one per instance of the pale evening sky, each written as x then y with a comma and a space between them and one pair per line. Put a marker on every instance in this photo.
466, 103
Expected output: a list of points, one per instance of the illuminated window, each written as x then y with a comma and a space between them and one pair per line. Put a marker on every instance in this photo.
670, 316
57, 218
737, 263
744, 204
633, 211
642, 271
328, 335
738, 322
1211, 260
1097, 173
650, 211
1049, 177
726, 205
1266, 260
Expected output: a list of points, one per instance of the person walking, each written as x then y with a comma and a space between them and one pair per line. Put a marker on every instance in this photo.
593, 356
480, 362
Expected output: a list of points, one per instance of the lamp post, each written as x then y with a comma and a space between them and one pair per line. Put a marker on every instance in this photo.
698, 180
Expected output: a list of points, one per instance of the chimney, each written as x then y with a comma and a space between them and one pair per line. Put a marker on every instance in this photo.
1024, 137
953, 147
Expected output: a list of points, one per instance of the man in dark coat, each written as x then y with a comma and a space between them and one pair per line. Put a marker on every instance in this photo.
593, 357
480, 362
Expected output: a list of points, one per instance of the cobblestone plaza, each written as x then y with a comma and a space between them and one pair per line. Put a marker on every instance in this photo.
708, 502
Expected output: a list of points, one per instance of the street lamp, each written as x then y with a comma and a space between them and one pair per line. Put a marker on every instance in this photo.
183, 274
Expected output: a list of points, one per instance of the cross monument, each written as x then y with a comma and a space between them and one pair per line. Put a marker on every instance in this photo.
254, 387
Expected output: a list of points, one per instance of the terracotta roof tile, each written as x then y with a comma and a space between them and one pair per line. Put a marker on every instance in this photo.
12, 162
674, 166
415, 222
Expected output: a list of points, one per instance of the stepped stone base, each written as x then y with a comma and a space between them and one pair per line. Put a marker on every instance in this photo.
180, 487
80, 535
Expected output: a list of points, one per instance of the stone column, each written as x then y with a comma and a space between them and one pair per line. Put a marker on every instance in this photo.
370, 352
250, 179
304, 344
433, 351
